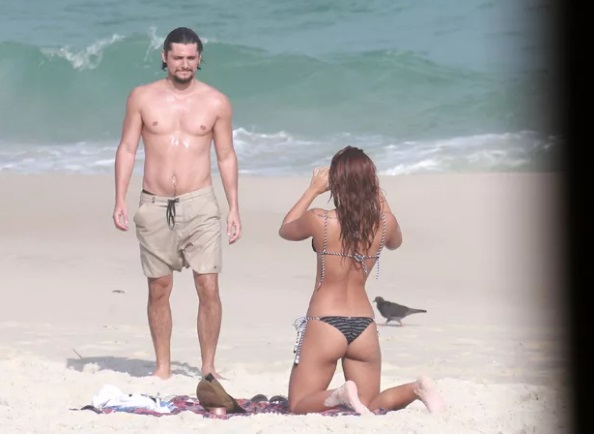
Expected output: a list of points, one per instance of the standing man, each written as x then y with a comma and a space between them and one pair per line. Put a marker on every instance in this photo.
178, 219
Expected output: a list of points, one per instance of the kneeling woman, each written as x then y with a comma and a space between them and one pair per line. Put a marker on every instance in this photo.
339, 323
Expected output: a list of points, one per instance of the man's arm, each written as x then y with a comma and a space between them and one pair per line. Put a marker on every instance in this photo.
227, 163
125, 157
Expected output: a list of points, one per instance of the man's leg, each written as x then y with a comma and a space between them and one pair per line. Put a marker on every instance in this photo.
209, 319
159, 316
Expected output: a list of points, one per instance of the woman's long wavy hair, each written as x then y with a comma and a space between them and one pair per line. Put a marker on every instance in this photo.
354, 187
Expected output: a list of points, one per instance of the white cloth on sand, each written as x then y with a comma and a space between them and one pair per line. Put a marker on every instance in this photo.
112, 397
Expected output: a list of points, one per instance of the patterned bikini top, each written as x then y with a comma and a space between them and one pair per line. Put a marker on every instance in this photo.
359, 258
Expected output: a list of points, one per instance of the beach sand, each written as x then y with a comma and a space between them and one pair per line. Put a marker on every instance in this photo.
482, 253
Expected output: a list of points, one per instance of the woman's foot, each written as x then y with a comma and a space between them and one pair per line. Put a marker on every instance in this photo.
426, 391
347, 395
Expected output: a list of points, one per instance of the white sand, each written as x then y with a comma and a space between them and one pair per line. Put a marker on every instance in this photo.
480, 253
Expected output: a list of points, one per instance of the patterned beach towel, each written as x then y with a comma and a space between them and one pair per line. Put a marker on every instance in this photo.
257, 405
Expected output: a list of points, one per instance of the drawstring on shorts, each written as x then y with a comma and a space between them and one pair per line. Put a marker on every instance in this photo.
170, 213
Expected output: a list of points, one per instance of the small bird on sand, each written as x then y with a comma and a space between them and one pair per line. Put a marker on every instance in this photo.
394, 311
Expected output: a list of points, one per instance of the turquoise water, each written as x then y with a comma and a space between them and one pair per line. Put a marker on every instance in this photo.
422, 85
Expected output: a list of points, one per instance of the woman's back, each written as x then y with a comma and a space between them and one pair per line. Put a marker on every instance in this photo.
341, 275
349, 239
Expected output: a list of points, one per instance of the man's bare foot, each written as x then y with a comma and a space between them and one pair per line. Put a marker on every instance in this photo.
347, 395
426, 391
162, 372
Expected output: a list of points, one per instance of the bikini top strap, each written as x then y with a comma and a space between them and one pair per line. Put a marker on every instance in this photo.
324, 248
381, 246
383, 242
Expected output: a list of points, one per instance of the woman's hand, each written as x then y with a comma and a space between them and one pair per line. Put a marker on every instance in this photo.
319, 180
297, 224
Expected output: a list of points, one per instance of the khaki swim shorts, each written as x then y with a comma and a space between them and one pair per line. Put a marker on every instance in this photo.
178, 232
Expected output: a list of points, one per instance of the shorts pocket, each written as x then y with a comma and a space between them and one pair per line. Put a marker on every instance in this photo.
208, 208
139, 211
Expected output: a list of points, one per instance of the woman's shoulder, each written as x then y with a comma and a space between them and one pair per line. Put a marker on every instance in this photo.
322, 212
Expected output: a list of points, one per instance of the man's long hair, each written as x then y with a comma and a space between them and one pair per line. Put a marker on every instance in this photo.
354, 187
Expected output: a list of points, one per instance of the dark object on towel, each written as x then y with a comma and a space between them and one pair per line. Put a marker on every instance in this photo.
279, 400
211, 394
259, 398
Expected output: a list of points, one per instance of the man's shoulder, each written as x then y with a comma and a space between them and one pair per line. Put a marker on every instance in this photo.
148, 87
213, 93
145, 90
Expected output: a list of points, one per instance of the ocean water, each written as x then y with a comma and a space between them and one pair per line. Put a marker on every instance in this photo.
421, 85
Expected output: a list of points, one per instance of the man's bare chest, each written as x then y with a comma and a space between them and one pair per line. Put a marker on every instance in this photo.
192, 120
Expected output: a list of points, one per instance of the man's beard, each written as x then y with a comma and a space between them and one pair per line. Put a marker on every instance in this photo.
183, 81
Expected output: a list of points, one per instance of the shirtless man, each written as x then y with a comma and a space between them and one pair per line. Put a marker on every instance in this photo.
178, 219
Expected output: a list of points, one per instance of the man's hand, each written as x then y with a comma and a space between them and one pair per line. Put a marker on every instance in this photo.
233, 226
120, 217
